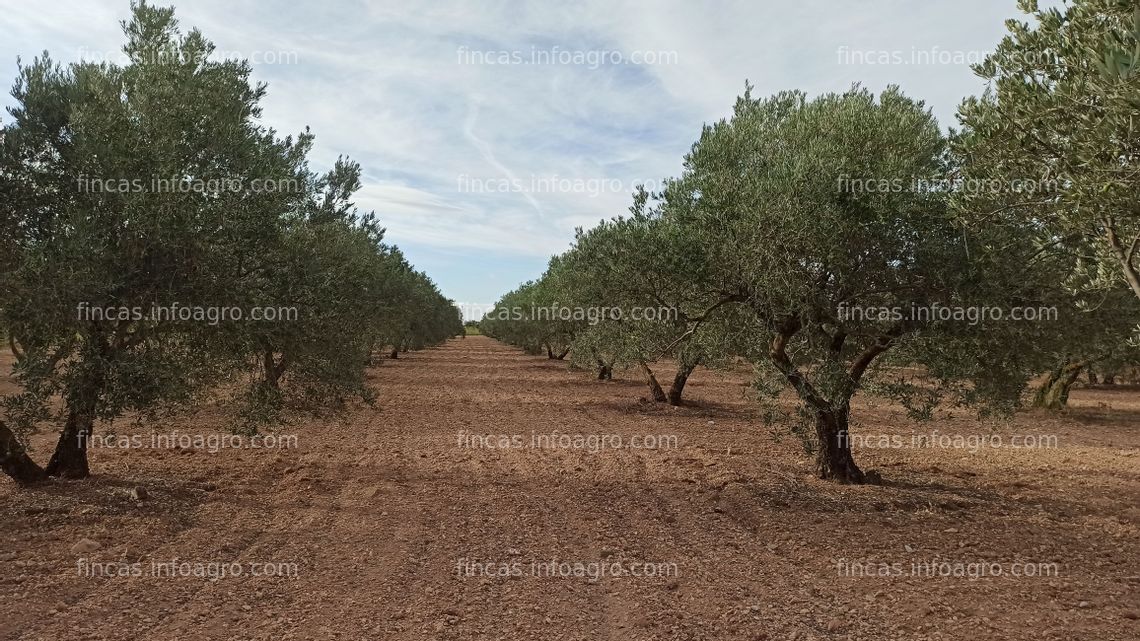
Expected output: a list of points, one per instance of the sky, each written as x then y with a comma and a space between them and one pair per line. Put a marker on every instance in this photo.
488, 131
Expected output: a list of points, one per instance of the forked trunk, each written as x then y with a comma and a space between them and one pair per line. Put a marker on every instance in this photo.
678, 386
834, 461
14, 459
655, 390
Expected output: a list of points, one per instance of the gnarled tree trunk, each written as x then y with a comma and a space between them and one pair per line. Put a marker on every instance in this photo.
272, 369
1054, 392
14, 459
678, 386
833, 460
70, 457
655, 390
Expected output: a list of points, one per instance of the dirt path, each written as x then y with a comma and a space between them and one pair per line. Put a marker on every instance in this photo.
401, 527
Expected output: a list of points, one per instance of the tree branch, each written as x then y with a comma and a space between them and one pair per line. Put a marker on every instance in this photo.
777, 352
882, 344
1131, 275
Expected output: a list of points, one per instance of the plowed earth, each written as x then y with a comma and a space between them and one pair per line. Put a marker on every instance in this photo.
404, 521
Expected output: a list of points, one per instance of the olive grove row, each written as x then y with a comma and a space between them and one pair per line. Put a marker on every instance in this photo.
86, 227
795, 211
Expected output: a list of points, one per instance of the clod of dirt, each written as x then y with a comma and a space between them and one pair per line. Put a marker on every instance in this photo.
85, 546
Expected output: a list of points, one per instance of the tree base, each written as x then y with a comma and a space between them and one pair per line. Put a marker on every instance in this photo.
678, 386
1053, 394
834, 460
69, 460
15, 462
844, 472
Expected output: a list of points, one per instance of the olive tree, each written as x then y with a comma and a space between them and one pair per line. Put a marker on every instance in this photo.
94, 239
1094, 321
132, 189
819, 217
537, 316
1060, 109
319, 274
652, 297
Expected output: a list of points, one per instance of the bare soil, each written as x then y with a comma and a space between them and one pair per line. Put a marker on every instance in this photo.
385, 513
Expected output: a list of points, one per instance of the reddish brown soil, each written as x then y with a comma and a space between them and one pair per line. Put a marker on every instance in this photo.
377, 510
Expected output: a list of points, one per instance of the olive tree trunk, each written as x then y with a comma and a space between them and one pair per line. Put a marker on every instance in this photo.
655, 390
70, 457
834, 460
678, 386
14, 459
16, 351
272, 369
1054, 392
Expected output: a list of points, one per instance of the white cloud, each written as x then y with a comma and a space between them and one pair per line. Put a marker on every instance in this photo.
385, 83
